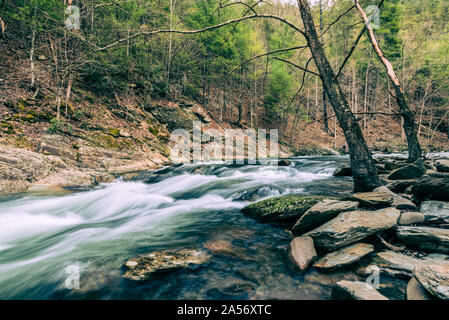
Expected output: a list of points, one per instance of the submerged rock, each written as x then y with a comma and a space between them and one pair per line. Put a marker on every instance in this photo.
410, 171
425, 238
226, 248
321, 213
352, 226
355, 290
435, 211
435, 279
142, 267
301, 253
415, 291
371, 199
281, 209
344, 256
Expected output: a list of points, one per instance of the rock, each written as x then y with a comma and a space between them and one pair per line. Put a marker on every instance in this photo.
429, 188
142, 267
393, 165
281, 209
409, 217
321, 213
371, 199
410, 171
226, 248
398, 201
399, 186
415, 291
424, 238
124, 133
301, 253
397, 262
442, 165
355, 290
352, 226
344, 256
435, 211
284, 163
435, 279
42, 57
56, 145
343, 172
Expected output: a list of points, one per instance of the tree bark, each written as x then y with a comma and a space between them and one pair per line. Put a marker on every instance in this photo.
363, 168
414, 148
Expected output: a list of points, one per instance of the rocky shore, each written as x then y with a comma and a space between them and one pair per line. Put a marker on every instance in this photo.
395, 238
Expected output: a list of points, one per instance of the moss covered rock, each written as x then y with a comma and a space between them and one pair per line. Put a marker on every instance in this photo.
281, 209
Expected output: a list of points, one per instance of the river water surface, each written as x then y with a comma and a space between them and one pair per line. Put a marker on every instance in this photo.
97, 230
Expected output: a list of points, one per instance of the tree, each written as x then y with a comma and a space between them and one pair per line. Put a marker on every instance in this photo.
414, 148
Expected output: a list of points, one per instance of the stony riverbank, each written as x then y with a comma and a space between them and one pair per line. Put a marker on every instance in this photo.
394, 239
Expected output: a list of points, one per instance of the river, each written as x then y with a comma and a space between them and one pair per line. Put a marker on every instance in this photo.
95, 231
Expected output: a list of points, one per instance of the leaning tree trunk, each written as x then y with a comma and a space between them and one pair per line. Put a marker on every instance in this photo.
414, 148
363, 168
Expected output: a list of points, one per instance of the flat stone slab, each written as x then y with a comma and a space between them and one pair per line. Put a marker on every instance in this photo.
344, 257
435, 279
352, 226
425, 238
398, 201
435, 211
371, 199
410, 171
301, 253
142, 267
321, 213
355, 290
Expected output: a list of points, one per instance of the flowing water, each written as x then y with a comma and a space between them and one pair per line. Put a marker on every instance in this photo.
97, 230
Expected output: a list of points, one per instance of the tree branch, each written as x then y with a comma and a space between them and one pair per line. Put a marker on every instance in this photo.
296, 66
267, 54
210, 28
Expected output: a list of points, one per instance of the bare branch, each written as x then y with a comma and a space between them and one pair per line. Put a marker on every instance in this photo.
267, 54
336, 20
296, 66
217, 26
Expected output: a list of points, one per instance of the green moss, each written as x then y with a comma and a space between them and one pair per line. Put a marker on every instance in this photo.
114, 132
286, 208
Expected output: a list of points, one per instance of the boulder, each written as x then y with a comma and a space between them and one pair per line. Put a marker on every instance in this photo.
415, 291
343, 171
371, 199
399, 186
281, 209
344, 257
435, 279
394, 165
284, 163
409, 217
410, 171
142, 267
352, 226
442, 165
429, 188
355, 290
301, 253
424, 238
435, 211
398, 201
321, 213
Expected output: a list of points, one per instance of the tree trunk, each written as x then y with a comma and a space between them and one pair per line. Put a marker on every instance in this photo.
414, 148
363, 168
